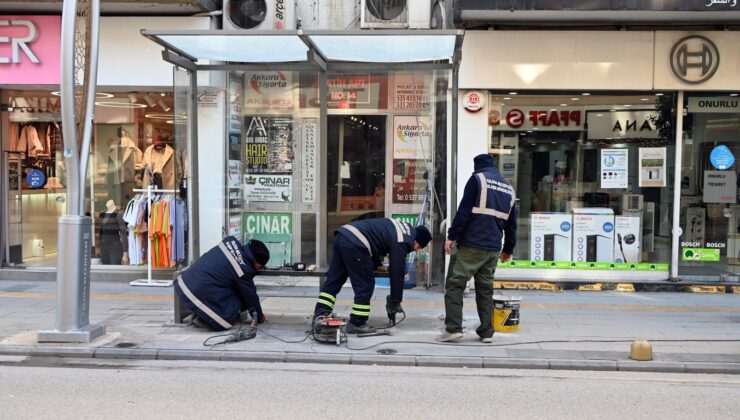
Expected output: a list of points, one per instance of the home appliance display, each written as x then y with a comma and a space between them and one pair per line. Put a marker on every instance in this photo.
627, 239
550, 236
593, 234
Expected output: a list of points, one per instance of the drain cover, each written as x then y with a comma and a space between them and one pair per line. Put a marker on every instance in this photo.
387, 351
125, 345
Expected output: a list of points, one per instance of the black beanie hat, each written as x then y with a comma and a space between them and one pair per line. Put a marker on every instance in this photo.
259, 251
423, 236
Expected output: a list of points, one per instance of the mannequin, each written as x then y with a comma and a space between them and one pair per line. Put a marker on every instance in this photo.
159, 162
124, 166
113, 236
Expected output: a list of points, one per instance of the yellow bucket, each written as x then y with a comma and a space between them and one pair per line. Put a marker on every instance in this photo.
506, 313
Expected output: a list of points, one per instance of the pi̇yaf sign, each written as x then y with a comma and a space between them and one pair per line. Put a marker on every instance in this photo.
473, 101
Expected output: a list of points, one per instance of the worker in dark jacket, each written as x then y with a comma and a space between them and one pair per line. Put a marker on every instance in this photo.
485, 218
220, 285
357, 250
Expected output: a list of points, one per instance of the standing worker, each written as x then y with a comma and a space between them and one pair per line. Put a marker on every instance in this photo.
485, 218
220, 285
357, 250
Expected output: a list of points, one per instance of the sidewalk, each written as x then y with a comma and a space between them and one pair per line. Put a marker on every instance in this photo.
559, 330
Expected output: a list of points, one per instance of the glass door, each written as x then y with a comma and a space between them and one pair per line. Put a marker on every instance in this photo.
356, 170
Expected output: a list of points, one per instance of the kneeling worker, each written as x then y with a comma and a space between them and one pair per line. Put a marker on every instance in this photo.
357, 250
220, 284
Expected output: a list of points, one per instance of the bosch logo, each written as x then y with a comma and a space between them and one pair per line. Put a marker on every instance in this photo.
694, 59
515, 118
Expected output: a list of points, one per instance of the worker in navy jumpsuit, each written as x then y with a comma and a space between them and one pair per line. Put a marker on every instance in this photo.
358, 248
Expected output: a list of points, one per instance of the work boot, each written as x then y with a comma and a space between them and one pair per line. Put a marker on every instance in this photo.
197, 322
360, 329
447, 337
486, 340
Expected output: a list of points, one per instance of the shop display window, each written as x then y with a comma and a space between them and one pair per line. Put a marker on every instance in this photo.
593, 178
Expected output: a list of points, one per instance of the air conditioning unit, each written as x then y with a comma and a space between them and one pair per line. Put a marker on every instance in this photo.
389, 14
259, 14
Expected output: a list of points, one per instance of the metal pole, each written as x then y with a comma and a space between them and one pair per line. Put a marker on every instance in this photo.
676, 231
323, 170
75, 233
90, 105
453, 146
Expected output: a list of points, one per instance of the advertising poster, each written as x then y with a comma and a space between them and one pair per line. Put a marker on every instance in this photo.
309, 133
720, 187
700, 254
614, 168
268, 90
235, 226
235, 104
346, 90
551, 236
269, 188
412, 137
235, 146
411, 92
653, 171
275, 230
411, 219
593, 234
409, 184
234, 174
268, 145
235, 200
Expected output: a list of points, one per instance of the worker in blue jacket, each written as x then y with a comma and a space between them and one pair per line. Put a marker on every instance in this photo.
484, 231
220, 285
357, 250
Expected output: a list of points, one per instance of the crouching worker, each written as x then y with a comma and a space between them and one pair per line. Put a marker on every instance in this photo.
357, 250
220, 285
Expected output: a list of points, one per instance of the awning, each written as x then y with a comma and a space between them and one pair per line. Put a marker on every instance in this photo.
197, 49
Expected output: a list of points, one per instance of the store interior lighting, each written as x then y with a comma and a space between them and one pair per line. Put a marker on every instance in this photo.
133, 98
149, 100
163, 105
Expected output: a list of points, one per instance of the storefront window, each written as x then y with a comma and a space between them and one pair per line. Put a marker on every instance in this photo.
593, 180
710, 215
132, 147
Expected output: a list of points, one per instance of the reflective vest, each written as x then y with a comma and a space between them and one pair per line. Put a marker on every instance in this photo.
493, 205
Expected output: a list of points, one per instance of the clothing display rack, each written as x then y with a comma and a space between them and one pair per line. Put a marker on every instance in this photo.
148, 281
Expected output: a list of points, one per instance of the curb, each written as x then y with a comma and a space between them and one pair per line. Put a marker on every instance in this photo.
373, 359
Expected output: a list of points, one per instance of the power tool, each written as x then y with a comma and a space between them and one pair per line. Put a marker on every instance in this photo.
392, 309
328, 328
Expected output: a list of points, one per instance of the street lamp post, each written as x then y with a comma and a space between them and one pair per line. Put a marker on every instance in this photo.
79, 51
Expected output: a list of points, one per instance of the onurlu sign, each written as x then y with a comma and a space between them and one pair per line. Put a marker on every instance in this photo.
29, 49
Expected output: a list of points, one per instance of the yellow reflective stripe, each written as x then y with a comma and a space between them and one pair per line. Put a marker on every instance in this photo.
328, 296
360, 313
326, 302
357, 306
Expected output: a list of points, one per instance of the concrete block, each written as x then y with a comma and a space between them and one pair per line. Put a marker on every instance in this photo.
127, 353
59, 351
652, 366
717, 368
16, 350
383, 360
173, 354
443, 361
510, 363
583, 365
252, 356
317, 358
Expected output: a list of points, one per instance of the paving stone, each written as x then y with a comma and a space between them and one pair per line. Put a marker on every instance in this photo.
330, 358
173, 354
441, 361
511, 363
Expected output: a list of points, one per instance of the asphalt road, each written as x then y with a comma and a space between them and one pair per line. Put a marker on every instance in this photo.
70, 388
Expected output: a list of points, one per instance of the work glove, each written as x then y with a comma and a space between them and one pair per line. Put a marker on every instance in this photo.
258, 317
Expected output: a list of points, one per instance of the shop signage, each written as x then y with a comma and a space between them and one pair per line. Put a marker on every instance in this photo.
711, 3
714, 105
208, 99
473, 101
652, 167
614, 168
722, 157
584, 265
411, 92
530, 118
309, 131
29, 49
235, 226
35, 178
268, 90
275, 230
348, 89
622, 125
720, 187
409, 183
412, 137
694, 59
269, 188
700, 254
411, 219
268, 146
